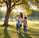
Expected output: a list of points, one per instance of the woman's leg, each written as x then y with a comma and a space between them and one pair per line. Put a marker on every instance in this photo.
19, 29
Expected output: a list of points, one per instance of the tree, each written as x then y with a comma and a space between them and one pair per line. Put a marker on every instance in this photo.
1, 15
12, 15
11, 5
34, 14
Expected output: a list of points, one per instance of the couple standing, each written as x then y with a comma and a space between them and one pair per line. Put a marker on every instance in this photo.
19, 21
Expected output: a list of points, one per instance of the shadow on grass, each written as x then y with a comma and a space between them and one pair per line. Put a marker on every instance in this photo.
34, 32
0, 34
25, 36
6, 35
20, 35
35, 25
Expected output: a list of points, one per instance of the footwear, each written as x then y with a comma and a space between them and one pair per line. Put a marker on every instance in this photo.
18, 32
24, 32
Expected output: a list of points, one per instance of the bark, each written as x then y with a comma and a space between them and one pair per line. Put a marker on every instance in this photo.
7, 17
8, 13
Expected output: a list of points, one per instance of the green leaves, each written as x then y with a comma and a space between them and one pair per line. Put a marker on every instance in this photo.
33, 2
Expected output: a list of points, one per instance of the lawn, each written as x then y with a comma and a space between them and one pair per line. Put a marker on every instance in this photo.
10, 32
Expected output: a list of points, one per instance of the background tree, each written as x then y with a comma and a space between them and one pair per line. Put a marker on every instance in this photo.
12, 15
34, 14
1, 15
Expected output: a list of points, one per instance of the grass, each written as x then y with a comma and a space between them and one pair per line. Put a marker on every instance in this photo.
10, 32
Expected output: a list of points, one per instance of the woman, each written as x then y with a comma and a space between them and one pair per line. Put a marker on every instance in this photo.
20, 21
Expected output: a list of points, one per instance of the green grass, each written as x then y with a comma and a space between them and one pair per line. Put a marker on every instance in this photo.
10, 32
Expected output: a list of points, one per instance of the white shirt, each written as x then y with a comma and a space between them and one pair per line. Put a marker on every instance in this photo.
20, 20
17, 19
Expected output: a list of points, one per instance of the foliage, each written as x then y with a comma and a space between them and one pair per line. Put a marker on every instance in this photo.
1, 15
23, 3
34, 14
33, 2
12, 15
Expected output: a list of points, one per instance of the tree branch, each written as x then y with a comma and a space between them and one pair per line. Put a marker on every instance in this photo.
15, 3
19, 3
5, 1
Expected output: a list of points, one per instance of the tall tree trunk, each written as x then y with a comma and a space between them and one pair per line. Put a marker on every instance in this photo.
7, 17
8, 13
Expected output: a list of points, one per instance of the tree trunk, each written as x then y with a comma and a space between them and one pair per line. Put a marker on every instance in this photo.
8, 13
7, 17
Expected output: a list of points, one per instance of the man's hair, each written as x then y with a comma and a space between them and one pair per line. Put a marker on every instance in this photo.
25, 17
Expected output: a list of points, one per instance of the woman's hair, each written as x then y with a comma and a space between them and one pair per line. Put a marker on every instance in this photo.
21, 15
